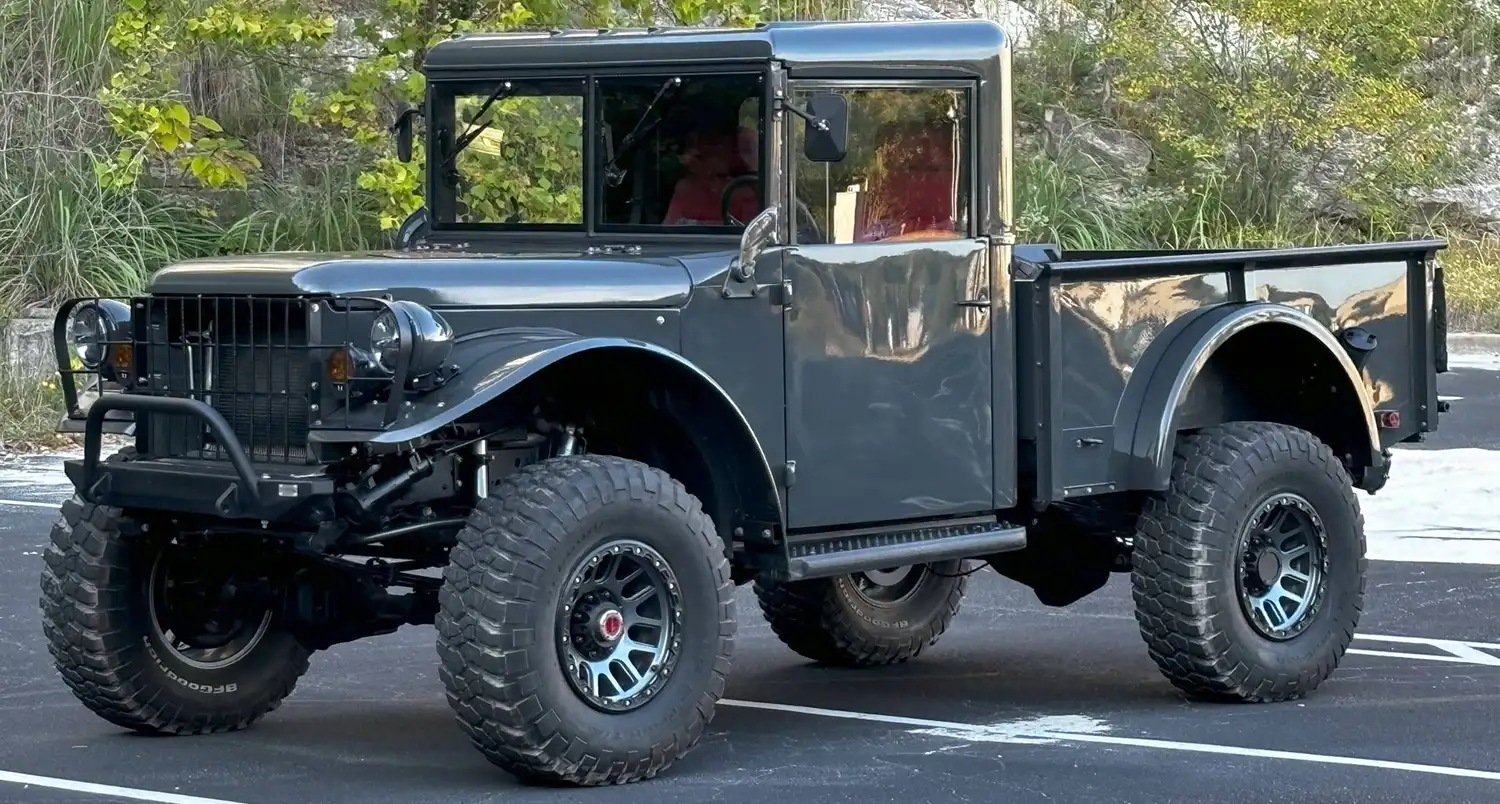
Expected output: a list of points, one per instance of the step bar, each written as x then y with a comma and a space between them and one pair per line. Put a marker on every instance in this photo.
843, 552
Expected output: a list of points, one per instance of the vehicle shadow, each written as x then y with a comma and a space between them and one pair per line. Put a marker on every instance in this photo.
340, 727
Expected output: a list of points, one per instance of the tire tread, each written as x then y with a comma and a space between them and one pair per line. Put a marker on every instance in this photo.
85, 596
807, 617
1174, 564
494, 576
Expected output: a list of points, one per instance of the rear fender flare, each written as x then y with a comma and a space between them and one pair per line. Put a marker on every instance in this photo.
496, 363
1147, 422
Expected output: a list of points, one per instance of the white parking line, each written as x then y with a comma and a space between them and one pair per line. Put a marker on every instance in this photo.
30, 503
1452, 650
1036, 732
106, 790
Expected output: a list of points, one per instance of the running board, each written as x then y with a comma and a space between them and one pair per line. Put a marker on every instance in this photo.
843, 552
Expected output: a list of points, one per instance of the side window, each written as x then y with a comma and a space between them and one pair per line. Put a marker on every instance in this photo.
680, 151
905, 176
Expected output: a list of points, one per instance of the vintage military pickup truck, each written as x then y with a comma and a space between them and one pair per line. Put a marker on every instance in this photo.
689, 309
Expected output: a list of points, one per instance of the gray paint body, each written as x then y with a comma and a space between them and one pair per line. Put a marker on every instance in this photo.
900, 381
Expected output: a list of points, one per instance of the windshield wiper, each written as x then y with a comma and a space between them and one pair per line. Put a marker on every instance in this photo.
471, 131
612, 171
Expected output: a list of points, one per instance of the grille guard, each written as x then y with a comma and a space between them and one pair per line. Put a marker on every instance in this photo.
367, 400
93, 434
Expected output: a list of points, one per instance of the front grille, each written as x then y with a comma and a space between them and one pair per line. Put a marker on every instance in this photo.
249, 358
265, 400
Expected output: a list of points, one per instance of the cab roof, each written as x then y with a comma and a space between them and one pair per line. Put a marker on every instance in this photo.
914, 49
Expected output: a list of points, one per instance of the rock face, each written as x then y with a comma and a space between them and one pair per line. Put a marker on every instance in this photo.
900, 10
1476, 200
1018, 21
1116, 150
27, 342
1477, 204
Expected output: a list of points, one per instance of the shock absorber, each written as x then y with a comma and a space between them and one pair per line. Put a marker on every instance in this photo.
482, 470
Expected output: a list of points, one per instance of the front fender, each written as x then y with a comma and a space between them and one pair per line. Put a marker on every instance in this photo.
496, 363
490, 365
1146, 425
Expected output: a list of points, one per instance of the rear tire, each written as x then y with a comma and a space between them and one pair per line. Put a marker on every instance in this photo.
107, 617
1228, 610
865, 619
631, 555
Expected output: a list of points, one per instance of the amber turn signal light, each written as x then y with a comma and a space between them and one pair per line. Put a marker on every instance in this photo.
338, 365
121, 358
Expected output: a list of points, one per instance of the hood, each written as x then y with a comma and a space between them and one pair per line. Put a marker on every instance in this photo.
458, 279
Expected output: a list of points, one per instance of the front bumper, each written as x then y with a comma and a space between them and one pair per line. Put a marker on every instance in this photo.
233, 489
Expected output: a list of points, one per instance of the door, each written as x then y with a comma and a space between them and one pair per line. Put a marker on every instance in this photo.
887, 338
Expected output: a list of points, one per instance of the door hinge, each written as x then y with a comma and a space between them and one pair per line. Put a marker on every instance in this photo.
780, 294
789, 474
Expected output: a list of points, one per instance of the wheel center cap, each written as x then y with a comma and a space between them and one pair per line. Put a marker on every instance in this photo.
1268, 567
610, 625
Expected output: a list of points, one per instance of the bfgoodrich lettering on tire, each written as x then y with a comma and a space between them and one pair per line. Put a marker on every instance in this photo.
141, 631
868, 618
587, 622
1249, 571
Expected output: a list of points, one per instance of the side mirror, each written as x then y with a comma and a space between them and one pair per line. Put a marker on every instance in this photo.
402, 130
825, 135
759, 233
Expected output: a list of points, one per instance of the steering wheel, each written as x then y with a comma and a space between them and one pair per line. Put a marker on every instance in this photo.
804, 215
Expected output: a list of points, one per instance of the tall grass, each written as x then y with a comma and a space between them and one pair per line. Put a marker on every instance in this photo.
324, 211
61, 234
1472, 279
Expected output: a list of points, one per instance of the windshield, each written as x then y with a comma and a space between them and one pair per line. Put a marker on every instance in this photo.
677, 153
523, 161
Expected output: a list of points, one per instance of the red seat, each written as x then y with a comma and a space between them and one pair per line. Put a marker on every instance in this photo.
712, 160
917, 195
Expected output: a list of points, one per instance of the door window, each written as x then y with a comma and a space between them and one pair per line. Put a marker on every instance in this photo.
905, 176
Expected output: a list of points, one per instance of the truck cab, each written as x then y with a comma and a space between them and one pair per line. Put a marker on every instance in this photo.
688, 309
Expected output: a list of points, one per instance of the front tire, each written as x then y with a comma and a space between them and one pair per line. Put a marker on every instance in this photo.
865, 619
1249, 571
139, 652
563, 580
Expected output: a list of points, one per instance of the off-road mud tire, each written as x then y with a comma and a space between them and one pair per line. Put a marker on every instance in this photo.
1186, 551
827, 621
96, 620
497, 625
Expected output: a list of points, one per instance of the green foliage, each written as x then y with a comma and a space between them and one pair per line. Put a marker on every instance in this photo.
1244, 103
1275, 89
528, 164
152, 38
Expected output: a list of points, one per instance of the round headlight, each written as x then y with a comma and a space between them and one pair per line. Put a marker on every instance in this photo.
88, 334
385, 341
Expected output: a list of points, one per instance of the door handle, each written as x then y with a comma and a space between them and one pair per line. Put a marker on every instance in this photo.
980, 302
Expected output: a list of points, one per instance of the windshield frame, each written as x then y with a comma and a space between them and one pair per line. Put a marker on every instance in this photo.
443, 128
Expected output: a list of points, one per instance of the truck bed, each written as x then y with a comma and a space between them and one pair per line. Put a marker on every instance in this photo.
1089, 321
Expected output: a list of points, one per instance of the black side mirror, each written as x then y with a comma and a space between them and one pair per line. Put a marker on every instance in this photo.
402, 129
825, 135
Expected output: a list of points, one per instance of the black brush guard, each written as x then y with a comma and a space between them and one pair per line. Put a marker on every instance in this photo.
224, 393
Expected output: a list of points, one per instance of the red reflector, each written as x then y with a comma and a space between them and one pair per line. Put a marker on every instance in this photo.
1389, 419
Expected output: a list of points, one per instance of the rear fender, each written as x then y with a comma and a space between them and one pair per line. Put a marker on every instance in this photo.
1152, 407
497, 363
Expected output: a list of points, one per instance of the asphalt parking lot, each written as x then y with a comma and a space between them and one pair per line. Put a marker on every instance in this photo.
1018, 703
